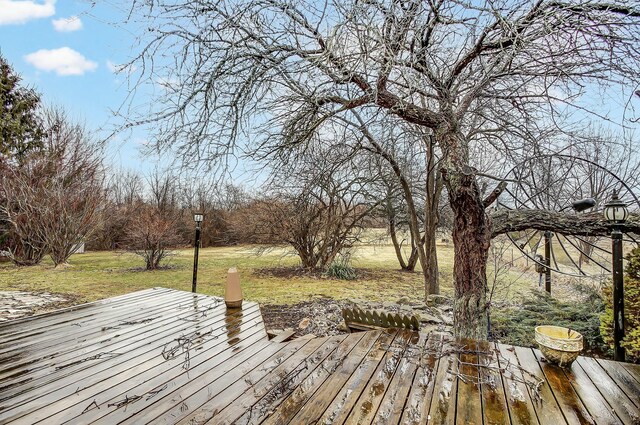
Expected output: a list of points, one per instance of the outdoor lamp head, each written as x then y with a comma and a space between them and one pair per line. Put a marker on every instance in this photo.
615, 211
198, 217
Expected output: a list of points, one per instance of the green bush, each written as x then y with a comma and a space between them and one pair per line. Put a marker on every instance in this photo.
517, 325
341, 269
631, 309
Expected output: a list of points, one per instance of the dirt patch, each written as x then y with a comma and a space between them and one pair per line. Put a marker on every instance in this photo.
321, 317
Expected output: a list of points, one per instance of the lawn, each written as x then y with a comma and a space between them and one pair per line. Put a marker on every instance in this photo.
96, 275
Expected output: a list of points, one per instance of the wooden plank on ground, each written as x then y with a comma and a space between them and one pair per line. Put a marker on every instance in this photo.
519, 402
392, 405
622, 378
469, 399
321, 399
599, 409
343, 402
548, 407
283, 412
69, 339
416, 409
617, 399
231, 397
366, 407
283, 336
569, 402
494, 402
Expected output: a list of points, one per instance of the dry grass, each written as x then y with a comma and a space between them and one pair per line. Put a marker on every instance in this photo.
97, 275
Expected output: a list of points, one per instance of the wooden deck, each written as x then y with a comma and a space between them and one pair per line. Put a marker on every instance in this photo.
165, 356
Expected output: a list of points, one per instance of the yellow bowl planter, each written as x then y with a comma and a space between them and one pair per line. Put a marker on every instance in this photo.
559, 345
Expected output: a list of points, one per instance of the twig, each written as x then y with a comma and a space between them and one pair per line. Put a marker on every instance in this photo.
86, 359
89, 407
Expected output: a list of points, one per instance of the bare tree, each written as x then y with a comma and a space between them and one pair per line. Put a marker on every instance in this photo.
317, 205
53, 198
469, 72
151, 234
154, 227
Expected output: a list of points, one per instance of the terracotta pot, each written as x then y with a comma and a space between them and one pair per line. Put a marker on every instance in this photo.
233, 291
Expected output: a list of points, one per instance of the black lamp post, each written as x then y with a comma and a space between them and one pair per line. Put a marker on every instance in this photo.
616, 213
197, 217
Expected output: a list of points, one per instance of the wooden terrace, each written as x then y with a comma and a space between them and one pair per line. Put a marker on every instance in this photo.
166, 356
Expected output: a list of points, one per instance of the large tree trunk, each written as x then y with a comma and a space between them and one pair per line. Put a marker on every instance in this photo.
471, 239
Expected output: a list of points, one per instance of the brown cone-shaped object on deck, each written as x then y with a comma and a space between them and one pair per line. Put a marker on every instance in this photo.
233, 291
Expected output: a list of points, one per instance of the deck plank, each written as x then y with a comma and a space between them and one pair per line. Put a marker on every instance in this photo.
392, 405
416, 409
283, 413
443, 406
230, 398
569, 402
519, 402
269, 392
366, 407
633, 369
622, 378
494, 402
171, 389
43, 325
617, 399
596, 405
120, 375
17, 327
469, 396
321, 399
63, 341
73, 362
341, 405
548, 409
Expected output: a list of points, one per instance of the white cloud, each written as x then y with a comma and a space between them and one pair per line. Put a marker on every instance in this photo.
20, 12
72, 23
63, 61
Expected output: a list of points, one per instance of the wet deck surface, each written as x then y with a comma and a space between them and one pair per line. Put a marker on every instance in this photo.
165, 356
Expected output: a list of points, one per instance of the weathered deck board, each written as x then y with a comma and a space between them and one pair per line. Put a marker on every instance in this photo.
416, 408
494, 403
623, 379
618, 400
69, 362
320, 400
570, 404
519, 402
184, 359
141, 371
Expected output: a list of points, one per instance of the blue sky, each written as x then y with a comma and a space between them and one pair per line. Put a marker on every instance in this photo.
70, 61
